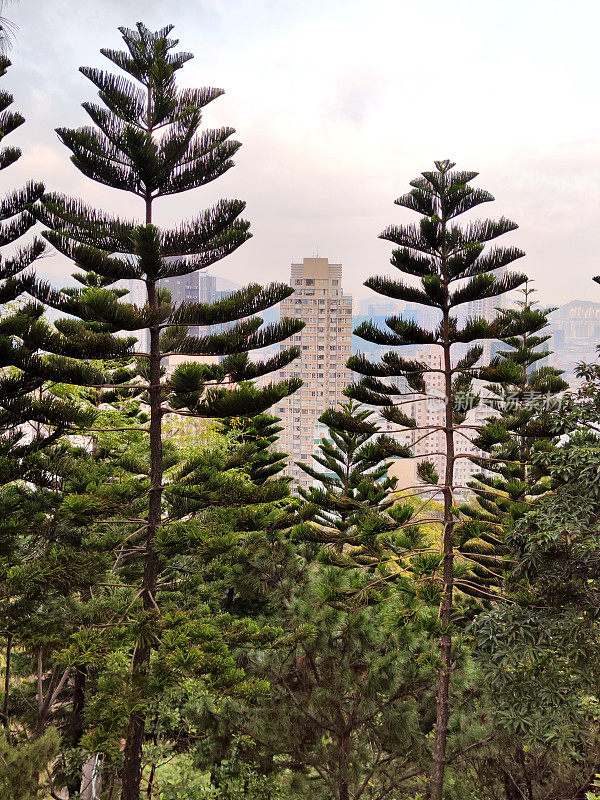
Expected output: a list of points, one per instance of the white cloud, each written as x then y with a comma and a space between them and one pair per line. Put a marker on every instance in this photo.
340, 104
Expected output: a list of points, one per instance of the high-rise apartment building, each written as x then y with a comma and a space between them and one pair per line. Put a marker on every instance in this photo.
193, 288
320, 302
487, 308
429, 411
428, 441
138, 296
183, 288
207, 287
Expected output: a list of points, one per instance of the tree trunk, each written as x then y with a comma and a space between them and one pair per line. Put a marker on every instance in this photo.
132, 764
511, 791
436, 787
75, 733
91, 778
6, 698
526, 775
343, 767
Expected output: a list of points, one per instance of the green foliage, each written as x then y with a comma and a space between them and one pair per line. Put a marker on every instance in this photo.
357, 517
539, 651
179, 777
539, 670
70, 577
453, 268
146, 139
29, 420
21, 765
540, 697
260, 431
159, 585
521, 430
596, 785
439, 253
347, 693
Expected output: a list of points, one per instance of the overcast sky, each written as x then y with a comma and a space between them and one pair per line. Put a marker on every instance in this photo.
338, 104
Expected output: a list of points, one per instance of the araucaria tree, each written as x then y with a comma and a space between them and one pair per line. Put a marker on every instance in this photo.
454, 268
357, 511
525, 400
28, 420
145, 140
15, 279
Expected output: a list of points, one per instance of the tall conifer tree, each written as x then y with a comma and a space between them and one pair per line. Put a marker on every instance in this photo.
357, 511
454, 269
524, 400
31, 353
145, 141
261, 432
15, 280
27, 420
6, 30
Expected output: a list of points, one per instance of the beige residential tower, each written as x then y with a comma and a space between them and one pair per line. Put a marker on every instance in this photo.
320, 302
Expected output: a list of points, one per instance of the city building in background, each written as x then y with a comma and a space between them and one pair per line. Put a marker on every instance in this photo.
427, 441
136, 295
327, 341
193, 288
575, 328
325, 344
376, 307
207, 288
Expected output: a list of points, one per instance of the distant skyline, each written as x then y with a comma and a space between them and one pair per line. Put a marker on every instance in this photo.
338, 106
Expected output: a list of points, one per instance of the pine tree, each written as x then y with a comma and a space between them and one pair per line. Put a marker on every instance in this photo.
68, 590
29, 417
16, 222
539, 652
453, 269
347, 689
32, 418
554, 543
55, 560
241, 514
359, 519
522, 427
260, 431
6, 30
216, 522
146, 142
21, 767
